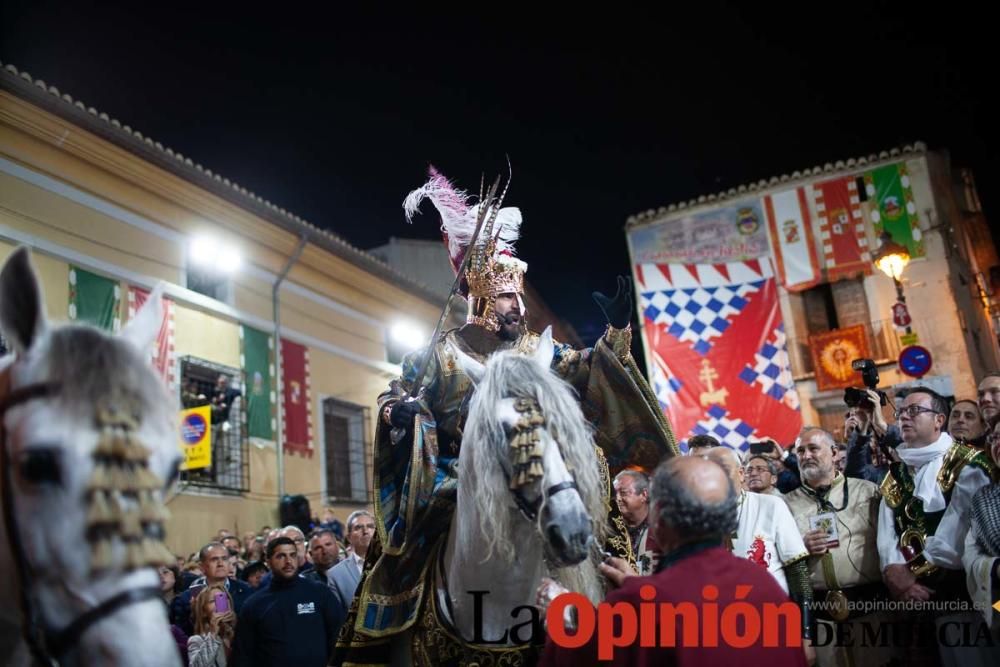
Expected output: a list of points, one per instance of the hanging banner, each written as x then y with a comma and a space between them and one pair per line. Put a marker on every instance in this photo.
725, 234
716, 341
792, 239
842, 229
832, 354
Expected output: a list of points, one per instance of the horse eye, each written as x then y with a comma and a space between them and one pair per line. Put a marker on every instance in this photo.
41, 466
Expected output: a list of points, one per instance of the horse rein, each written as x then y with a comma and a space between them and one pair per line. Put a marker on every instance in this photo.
46, 645
529, 509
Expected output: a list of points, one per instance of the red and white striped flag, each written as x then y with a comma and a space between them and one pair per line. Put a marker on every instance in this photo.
163, 357
792, 238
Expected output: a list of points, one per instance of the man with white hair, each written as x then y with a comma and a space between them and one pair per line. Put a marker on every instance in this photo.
631, 490
838, 519
766, 534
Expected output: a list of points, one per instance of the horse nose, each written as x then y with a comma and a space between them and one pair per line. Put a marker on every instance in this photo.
556, 538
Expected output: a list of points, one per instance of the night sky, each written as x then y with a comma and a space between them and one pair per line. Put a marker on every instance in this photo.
335, 114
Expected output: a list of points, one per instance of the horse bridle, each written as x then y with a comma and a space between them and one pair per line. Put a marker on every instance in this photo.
529, 509
47, 646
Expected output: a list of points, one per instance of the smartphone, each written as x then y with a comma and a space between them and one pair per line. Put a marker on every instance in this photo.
221, 602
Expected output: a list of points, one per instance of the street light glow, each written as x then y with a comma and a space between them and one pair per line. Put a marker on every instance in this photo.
891, 258
209, 253
229, 260
204, 250
408, 335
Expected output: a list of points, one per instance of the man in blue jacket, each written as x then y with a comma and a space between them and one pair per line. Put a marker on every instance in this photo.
214, 560
293, 621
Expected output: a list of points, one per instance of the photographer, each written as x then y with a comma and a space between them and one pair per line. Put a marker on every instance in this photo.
867, 433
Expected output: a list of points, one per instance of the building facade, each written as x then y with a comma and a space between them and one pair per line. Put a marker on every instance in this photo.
109, 213
815, 235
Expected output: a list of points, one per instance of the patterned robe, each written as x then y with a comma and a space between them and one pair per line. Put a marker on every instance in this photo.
416, 477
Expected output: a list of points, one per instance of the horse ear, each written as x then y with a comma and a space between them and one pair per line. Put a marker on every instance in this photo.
545, 350
470, 366
142, 329
22, 313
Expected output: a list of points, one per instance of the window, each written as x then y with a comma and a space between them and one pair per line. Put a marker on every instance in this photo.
345, 426
213, 284
821, 312
207, 383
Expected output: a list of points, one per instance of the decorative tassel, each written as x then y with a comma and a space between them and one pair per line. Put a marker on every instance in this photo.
133, 555
99, 513
100, 479
100, 555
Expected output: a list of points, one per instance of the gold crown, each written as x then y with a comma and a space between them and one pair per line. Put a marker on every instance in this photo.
499, 274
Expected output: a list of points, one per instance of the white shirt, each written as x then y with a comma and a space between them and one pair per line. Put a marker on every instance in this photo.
767, 534
945, 547
359, 561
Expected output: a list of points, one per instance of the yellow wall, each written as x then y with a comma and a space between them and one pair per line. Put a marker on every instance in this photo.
205, 336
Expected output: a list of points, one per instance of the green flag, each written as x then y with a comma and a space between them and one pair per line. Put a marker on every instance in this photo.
257, 370
893, 209
94, 299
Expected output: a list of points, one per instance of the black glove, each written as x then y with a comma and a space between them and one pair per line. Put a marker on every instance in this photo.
403, 412
617, 310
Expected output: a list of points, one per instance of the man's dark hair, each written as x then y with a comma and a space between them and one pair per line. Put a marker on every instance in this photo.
938, 402
252, 569
273, 545
687, 514
703, 440
203, 553
322, 531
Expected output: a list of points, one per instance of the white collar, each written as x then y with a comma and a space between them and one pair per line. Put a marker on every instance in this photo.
918, 457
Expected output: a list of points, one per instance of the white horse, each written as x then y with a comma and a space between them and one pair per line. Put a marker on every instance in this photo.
88, 436
530, 501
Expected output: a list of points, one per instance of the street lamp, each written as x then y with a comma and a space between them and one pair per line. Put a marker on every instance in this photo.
891, 259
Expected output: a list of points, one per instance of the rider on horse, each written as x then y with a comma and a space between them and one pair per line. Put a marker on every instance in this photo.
422, 414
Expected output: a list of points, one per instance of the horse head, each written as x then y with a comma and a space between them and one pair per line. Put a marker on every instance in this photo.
531, 448
89, 442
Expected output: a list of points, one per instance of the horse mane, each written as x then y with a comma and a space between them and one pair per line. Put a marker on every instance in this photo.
512, 375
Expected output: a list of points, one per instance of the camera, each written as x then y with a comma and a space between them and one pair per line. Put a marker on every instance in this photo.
854, 396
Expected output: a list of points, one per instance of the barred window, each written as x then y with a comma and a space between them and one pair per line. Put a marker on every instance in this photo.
345, 475
202, 384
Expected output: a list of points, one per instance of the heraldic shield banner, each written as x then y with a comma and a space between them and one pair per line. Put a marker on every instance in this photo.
715, 342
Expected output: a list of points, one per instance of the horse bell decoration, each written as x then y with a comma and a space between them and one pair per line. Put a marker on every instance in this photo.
121, 497
527, 443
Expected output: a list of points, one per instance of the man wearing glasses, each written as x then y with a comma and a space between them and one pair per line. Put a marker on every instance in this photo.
761, 475
632, 496
343, 577
924, 512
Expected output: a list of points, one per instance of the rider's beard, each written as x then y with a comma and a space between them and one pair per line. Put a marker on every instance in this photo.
510, 326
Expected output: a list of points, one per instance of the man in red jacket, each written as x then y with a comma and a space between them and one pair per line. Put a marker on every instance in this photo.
703, 606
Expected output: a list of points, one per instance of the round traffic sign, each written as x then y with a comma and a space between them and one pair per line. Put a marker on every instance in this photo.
193, 428
915, 361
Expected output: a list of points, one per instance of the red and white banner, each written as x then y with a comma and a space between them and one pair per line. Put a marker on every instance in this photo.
792, 239
162, 356
296, 397
842, 229
719, 364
